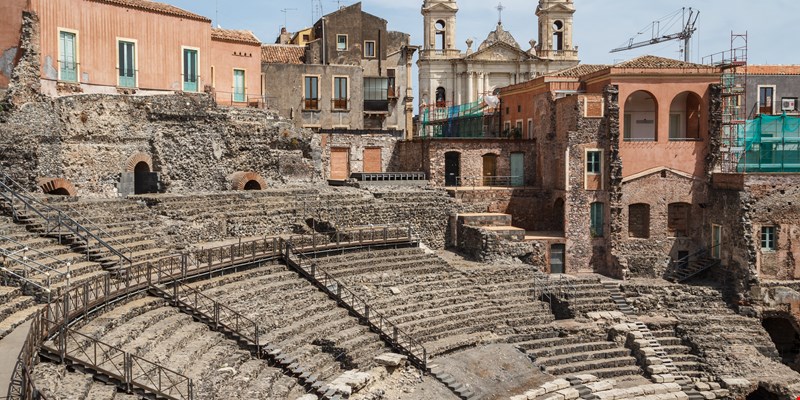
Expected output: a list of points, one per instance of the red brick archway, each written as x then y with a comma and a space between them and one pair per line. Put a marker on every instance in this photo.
136, 159
57, 186
247, 180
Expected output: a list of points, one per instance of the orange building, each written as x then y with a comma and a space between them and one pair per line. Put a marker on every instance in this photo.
135, 46
622, 159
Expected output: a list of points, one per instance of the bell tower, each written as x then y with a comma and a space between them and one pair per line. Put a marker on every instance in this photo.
440, 28
555, 30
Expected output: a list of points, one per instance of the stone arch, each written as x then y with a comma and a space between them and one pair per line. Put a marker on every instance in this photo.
247, 180
57, 186
640, 117
784, 333
136, 159
763, 393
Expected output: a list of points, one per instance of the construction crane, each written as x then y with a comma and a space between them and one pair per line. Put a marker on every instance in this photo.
689, 27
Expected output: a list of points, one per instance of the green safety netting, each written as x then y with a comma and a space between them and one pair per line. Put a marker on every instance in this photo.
463, 120
770, 143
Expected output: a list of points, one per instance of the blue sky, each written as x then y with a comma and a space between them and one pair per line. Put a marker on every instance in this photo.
600, 25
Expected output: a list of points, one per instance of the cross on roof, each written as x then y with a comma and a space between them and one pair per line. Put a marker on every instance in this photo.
500, 9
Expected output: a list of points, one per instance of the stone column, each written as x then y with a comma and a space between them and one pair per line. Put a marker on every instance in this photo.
457, 88
485, 83
481, 81
470, 91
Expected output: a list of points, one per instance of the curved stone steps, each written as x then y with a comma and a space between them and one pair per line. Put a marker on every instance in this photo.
564, 345
208, 286
384, 267
605, 368
279, 283
138, 329
101, 391
367, 256
485, 319
75, 270
104, 323
17, 318
57, 383
570, 358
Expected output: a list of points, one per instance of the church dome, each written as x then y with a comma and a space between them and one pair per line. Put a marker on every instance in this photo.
499, 35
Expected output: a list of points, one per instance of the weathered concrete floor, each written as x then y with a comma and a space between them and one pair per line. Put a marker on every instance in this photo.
10, 346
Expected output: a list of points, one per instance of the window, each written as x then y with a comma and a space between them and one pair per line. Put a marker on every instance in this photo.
190, 70
675, 127
518, 130
678, 219
596, 215
127, 63
716, 241
639, 220
768, 238
766, 95
68, 56
339, 93
594, 162
239, 95
558, 36
376, 94
311, 99
341, 42
390, 75
507, 127
369, 48
530, 129
441, 37
213, 77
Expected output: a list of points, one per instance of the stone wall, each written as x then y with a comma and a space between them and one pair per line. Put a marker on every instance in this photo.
482, 245
356, 145
472, 152
193, 144
532, 209
648, 256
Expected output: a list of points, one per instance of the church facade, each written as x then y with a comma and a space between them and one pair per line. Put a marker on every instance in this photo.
449, 76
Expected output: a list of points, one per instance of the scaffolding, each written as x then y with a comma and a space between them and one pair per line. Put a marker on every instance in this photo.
733, 64
470, 120
771, 144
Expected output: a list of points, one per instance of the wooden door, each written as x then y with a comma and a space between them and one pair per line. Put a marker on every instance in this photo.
340, 164
517, 169
557, 259
372, 160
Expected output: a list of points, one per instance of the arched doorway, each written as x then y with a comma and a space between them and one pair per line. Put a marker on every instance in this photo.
640, 118
144, 181
489, 169
452, 168
684, 117
57, 187
786, 339
252, 185
762, 394
441, 97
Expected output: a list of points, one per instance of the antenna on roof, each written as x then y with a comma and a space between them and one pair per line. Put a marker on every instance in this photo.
286, 11
316, 11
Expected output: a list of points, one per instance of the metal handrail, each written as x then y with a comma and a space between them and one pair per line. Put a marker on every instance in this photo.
61, 219
26, 248
492, 181
93, 225
78, 301
403, 341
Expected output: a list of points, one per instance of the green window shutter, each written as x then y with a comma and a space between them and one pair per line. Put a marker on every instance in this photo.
190, 71
68, 57
127, 64
239, 86
596, 216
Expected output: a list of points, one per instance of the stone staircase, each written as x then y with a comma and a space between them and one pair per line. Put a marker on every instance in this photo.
147, 327
571, 355
301, 323
444, 308
459, 388
15, 309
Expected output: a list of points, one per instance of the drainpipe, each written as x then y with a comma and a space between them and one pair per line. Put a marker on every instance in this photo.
380, 57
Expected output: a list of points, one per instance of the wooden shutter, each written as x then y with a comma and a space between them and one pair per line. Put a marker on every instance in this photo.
372, 160
340, 164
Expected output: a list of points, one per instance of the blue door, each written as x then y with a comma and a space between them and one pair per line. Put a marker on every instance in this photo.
238, 86
68, 59
127, 64
190, 70
517, 169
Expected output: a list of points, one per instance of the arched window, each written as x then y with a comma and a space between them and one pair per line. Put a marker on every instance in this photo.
441, 97
558, 35
684, 117
639, 220
640, 119
678, 215
441, 37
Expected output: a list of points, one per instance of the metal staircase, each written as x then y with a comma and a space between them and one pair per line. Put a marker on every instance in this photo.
685, 268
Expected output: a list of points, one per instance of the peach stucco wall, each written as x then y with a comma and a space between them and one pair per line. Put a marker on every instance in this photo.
227, 56
686, 156
11, 12
159, 40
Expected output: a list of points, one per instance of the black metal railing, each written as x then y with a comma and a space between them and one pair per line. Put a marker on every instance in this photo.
52, 322
400, 340
23, 205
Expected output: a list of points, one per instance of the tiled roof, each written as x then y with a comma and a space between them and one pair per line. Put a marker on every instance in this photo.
234, 36
658, 63
773, 69
580, 70
153, 6
282, 54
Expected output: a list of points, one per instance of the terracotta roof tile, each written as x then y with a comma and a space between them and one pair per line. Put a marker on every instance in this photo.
153, 6
234, 35
282, 54
658, 63
773, 69
580, 70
